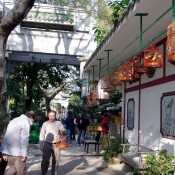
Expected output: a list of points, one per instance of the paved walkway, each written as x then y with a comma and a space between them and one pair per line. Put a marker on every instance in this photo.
74, 161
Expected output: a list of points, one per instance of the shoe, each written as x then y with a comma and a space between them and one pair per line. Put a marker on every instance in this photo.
78, 144
70, 145
82, 144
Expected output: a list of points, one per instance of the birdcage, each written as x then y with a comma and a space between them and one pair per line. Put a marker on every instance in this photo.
153, 57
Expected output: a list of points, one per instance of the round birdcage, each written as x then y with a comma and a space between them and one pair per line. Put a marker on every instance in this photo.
153, 57
171, 43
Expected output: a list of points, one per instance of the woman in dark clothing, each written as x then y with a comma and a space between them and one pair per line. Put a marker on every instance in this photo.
82, 124
70, 126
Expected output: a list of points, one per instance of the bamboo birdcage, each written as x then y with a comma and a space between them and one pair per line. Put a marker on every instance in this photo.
90, 103
139, 64
94, 91
153, 57
171, 43
115, 80
125, 72
107, 85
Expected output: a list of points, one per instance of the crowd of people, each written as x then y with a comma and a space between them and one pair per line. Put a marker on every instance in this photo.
26, 129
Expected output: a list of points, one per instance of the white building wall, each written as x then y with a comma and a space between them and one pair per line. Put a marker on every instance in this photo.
151, 115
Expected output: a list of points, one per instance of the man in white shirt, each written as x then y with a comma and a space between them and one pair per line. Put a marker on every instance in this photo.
15, 143
49, 136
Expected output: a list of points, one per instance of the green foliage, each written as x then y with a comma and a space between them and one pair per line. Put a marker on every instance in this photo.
118, 6
159, 164
113, 149
115, 98
100, 34
31, 82
108, 14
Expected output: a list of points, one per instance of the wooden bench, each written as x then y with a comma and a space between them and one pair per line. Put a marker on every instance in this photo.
134, 155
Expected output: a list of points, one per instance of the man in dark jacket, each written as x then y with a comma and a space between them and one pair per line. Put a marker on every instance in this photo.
70, 126
82, 124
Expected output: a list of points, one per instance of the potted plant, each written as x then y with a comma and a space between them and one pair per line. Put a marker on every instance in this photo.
112, 150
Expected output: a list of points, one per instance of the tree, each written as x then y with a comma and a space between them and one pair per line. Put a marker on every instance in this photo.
8, 23
108, 14
32, 83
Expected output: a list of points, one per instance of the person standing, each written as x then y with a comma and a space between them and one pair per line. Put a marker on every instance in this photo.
82, 124
15, 143
49, 136
105, 124
70, 127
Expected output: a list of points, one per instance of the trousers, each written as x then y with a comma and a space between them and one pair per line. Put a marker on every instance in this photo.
17, 167
48, 151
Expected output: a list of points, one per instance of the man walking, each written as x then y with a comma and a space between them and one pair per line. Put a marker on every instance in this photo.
15, 143
49, 136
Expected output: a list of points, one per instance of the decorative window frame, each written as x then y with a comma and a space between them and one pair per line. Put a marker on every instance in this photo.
130, 114
167, 117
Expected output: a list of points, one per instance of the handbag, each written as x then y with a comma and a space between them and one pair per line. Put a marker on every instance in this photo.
63, 141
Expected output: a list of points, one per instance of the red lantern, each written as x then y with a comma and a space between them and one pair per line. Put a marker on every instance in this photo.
171, 43
153, 57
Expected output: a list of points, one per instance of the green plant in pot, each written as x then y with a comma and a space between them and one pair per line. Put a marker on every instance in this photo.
113, 149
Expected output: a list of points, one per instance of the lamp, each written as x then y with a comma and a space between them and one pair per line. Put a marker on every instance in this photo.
153, 57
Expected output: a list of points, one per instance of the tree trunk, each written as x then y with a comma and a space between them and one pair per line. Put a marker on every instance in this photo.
8, 23
47, 104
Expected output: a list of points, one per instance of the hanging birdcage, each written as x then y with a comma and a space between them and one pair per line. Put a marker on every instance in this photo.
153, 57
114, 79
107, 85
171, 43
94, 90
90, 103
139, 64
125, 72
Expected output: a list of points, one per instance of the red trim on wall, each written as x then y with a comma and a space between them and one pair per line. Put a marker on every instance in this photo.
139, 101
151, 83
164, 59
124, 111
